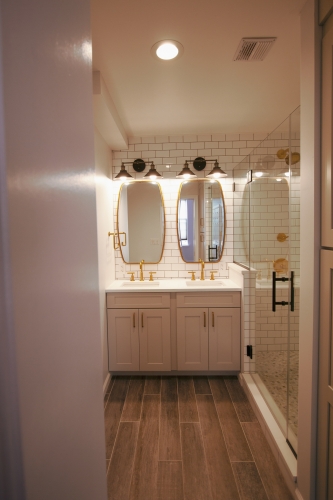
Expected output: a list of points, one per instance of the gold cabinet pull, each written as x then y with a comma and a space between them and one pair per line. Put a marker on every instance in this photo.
204, 320
213, 322
133, 320
142, 320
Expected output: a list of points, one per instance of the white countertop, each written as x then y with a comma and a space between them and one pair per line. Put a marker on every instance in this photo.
174, 285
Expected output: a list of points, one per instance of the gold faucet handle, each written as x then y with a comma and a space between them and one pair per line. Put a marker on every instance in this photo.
151, 278
193, 275
212, 275
132, 276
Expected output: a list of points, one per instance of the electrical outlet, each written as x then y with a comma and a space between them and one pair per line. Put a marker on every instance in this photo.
154, 241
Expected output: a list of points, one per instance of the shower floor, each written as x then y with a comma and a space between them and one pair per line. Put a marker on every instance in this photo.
271, 366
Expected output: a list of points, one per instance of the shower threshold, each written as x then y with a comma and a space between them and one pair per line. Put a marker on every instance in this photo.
272, 430
275, 410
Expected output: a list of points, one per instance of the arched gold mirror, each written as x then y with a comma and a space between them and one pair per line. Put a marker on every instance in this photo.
140, 215
201, 220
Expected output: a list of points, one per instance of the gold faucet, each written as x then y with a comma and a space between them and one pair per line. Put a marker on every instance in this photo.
202, 273
141, 272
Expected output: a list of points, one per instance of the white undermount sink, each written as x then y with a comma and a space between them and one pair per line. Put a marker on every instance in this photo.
207, 283
140, 284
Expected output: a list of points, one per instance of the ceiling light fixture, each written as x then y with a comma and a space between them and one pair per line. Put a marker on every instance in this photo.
152, 174
123, 175
167, 50
217, 172
186, 173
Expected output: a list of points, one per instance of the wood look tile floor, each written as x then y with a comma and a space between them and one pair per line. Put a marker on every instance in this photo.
186, 438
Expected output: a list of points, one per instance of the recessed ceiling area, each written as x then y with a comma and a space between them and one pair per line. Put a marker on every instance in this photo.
205, 90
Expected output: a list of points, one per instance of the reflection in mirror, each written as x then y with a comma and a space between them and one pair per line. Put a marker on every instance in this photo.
201, 220
140, 216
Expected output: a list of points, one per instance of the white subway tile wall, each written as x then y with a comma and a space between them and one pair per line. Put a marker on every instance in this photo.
169, 154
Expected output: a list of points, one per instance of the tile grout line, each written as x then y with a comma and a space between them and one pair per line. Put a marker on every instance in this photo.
108, 393
137, 439
262, 482
224, 439
115, 440
203, 442
250, 448
180, 437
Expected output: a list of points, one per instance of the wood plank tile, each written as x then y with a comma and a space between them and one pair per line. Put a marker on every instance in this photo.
248, 481
144, 479
236, 442
220, 473
170, 481
133, 401
111, 382
153, 385
201, 385
269, 471
195, 476
169, 444
108, 390
238, 397
106, 398
113, 410
121, 466
188, 411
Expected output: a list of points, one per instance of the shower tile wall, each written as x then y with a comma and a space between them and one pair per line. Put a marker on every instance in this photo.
267, 207
169, 154
271, 328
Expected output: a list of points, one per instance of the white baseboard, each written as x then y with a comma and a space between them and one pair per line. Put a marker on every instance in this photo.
106, 383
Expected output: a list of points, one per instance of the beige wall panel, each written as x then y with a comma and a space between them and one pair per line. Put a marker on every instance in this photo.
326, 166
325, 430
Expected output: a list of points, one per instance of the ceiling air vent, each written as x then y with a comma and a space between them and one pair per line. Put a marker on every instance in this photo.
253, 49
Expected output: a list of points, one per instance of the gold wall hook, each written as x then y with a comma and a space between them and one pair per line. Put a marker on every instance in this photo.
115, 237
123, 243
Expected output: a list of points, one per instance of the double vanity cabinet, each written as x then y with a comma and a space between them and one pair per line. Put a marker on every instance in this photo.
167, 327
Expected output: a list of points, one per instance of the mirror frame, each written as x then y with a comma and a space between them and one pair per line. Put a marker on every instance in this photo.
224, 221
164, 225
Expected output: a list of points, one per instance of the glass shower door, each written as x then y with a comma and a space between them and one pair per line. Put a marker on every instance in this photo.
273, 195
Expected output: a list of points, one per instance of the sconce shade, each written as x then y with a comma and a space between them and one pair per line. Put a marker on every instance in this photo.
216, 172
152, 174
123, 174
186, 173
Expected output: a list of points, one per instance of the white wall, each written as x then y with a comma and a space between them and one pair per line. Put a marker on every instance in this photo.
53, 246
104, 204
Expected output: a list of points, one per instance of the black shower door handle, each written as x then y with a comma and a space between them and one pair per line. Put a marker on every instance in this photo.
292, 292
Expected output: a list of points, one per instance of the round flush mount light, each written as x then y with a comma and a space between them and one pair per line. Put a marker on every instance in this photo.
166, 50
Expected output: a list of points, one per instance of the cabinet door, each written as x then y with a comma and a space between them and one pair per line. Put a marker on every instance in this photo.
326, 153
192, 338
224, 338
155, 340
123, 339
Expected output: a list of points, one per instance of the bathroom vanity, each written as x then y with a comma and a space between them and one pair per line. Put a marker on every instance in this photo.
178, 325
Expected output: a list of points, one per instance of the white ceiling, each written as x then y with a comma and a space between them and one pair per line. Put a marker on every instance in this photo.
204, 91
